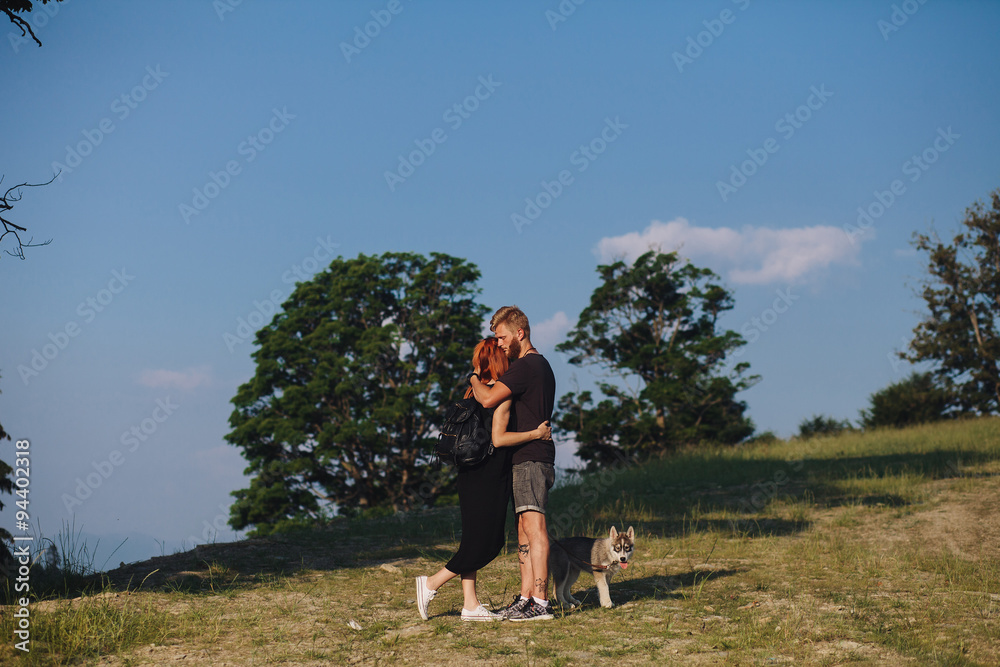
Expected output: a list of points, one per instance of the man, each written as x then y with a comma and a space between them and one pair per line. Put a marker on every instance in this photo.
531, 383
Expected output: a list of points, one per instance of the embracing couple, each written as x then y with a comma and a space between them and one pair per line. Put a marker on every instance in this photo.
516, 386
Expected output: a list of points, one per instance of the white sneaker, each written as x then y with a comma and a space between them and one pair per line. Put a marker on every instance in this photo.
424, 596
480, 613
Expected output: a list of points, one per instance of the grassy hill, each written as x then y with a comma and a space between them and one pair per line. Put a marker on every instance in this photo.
878, 547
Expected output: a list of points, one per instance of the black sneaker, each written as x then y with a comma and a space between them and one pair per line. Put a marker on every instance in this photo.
533, 612
516, 606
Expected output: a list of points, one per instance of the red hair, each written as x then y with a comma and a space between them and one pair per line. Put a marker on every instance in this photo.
489, 361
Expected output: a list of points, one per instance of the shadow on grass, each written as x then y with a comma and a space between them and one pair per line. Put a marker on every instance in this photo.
221, 567
664, 587
670, 497
678, 496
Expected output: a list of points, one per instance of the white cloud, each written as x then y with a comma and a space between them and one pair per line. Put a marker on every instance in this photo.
187, 379
753, 255
549, 333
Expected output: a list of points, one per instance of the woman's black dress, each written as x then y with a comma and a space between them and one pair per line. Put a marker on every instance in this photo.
483, 495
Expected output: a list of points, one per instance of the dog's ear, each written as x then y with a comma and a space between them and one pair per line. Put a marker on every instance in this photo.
614, 533
631, 533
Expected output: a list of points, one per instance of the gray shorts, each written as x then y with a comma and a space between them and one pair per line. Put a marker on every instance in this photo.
532, 481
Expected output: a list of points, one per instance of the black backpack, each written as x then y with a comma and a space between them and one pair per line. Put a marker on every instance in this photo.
464, 439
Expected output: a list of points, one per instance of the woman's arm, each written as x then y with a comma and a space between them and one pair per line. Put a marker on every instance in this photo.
504, 438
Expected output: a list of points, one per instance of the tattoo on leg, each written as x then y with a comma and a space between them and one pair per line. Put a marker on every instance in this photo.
522, 553
539, 586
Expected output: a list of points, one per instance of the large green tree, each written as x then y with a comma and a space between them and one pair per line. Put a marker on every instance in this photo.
351, 378
652, 327
961, 332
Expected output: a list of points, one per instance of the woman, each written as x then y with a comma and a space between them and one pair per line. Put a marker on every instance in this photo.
483, 494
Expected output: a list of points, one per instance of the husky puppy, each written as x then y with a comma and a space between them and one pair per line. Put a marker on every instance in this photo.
602, 557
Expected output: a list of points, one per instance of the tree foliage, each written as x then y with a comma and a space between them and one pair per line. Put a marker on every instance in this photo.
351, 377
821, 425
961, 332
916, 399
653, 327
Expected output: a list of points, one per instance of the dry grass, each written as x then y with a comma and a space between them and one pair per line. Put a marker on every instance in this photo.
869, 549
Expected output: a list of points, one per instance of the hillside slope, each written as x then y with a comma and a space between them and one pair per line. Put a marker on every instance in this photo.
871, 548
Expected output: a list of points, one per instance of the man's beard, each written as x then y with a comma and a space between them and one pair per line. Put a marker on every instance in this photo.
514, 350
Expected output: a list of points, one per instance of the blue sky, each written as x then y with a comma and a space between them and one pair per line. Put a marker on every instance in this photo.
217, 152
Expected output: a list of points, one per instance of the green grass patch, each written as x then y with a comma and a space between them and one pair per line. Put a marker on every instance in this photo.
88, 628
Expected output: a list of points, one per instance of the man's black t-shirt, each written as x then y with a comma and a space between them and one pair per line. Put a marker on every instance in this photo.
533, 385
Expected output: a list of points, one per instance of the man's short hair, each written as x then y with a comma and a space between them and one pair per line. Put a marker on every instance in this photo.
513, 317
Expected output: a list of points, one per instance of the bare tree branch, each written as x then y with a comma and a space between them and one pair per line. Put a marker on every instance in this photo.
13, 195
21, 23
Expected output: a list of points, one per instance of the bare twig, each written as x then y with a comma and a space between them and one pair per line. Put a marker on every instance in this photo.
12, 195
